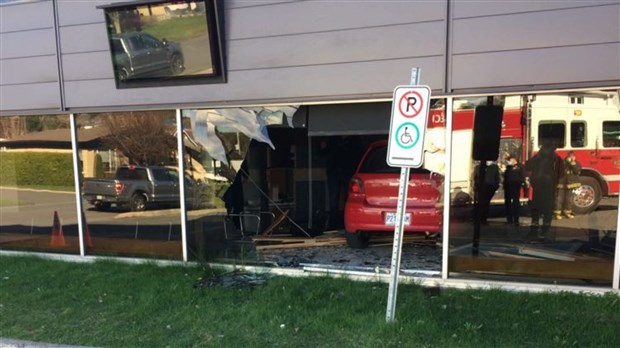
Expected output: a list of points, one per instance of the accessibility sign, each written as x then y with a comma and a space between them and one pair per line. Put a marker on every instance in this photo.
410, 106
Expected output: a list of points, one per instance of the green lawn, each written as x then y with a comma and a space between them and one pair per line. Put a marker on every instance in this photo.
178, 29
117, 305
12, 202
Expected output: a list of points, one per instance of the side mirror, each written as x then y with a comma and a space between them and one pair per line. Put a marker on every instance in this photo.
164, 42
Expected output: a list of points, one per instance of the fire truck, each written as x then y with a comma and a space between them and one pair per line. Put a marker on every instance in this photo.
587, 124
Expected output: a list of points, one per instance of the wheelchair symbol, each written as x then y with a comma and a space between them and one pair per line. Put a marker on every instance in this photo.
404, 137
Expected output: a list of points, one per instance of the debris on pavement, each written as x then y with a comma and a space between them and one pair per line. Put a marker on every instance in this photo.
234, 279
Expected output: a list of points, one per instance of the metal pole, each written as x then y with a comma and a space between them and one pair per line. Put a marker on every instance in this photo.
76, 179
181, 163
401, 209
398, 243
445, 237
616, 278
310, 202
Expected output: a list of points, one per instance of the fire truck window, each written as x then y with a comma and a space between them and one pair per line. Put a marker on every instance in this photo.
611, 134
552, 132
578, 134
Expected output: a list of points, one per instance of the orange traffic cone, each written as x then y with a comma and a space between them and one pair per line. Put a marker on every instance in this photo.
58, 239
87, 241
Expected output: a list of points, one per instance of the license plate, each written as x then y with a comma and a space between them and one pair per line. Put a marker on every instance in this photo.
390, 219
99, 197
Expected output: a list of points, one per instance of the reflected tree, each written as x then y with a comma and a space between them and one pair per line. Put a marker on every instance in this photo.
145, 138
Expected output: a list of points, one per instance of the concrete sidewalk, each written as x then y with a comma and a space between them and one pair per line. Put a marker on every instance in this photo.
11, 343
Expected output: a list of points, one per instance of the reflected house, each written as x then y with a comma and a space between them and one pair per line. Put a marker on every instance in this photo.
91, 142
59, 141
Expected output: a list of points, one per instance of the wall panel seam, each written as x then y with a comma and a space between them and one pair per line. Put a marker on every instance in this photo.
73, 53
25, 30
81, 24
230, 8
537, 48
26, 57
535, 11
337, 30
439, 55
27, 83
10, 4
90, 79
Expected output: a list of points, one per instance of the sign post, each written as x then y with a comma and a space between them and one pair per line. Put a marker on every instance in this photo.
410, 105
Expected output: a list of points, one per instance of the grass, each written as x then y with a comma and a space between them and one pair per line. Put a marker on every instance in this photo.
110, 304
40, 187
12, 203
178, 29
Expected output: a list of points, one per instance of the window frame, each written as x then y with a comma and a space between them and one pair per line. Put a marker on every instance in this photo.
585, 134
542, 140
215, 27
616, 143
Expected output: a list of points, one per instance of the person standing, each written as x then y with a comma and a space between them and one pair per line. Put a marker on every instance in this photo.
514, 179
569, 180
543, 169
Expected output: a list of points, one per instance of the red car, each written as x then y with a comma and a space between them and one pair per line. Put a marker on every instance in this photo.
373, 195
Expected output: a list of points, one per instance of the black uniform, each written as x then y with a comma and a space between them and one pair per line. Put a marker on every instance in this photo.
514, 179
544, 168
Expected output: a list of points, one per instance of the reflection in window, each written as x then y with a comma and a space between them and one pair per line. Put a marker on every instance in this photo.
552, 133
37, 189
141, 149
512, 243
578, 134
611, 134
576, 100
164, 43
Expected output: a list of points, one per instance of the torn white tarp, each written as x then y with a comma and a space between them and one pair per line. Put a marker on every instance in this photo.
250, 121
204, 134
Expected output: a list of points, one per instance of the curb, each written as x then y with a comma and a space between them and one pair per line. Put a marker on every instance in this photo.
11, 343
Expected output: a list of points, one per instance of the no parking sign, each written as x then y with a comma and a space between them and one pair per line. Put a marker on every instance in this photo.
410, 106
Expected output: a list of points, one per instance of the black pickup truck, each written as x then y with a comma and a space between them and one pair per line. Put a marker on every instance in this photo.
136, 187
139, 54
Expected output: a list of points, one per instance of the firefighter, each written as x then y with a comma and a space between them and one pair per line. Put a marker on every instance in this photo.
514, 179
543, 169
568, 181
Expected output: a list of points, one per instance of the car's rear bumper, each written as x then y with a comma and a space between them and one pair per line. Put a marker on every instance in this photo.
92, 199
362, 217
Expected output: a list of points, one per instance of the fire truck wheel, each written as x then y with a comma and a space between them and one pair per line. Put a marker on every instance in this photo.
587, 196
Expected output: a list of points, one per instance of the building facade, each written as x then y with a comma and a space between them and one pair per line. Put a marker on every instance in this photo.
286, 78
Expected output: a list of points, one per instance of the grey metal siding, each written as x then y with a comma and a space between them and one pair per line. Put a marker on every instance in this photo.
276, 51
296, 51
546, 43
28, 61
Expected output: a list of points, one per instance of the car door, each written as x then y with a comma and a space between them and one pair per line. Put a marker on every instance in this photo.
139, 54
165, 187
157, 53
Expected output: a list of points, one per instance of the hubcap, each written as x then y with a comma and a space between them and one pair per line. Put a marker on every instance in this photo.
584, 196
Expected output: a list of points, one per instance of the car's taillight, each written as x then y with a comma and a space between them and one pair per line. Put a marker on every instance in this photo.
356, 186
118, 187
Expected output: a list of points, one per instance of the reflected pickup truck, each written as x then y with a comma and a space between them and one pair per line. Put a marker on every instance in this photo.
136, 187
138, 54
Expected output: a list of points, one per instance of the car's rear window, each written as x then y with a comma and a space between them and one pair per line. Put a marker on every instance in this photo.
132, 174
375, 162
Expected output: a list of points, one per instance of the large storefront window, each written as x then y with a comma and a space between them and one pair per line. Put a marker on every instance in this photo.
130, 184
239, 161
37, 189
278, 194
546, 205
